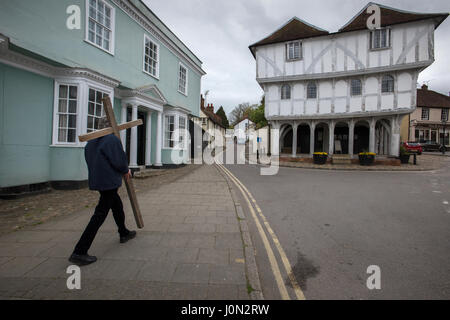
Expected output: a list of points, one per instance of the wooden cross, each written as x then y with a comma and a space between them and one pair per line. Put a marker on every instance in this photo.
115, 129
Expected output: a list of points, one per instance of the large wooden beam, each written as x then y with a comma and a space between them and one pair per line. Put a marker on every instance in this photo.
128, 182
106, 131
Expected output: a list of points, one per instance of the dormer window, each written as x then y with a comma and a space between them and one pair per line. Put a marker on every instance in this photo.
294, 50
380, 38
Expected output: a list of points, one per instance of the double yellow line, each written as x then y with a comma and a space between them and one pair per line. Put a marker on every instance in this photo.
272, 259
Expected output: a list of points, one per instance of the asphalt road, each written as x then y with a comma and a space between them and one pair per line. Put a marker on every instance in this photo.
334, 224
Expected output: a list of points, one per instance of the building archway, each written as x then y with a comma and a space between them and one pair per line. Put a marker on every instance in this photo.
382, 136
341, 138
303, 138
321, 137
361, 137
286, 138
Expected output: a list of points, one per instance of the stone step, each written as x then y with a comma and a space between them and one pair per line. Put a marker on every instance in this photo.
341, 156
341, 159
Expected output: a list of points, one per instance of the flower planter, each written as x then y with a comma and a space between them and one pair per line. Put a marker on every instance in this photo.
404, 158
320, 158
366, 159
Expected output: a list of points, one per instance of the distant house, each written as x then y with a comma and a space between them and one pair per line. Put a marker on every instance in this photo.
53, 79
426, 122
211, 124
242, 130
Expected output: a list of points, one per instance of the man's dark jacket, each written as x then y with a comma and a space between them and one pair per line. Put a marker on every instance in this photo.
106, 161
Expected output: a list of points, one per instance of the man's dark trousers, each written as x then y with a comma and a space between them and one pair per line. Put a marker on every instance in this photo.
109, 199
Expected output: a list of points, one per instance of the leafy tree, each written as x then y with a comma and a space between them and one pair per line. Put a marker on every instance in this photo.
221, 113
256, 115
239, 112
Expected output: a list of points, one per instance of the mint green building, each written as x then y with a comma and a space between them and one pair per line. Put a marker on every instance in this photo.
58, 58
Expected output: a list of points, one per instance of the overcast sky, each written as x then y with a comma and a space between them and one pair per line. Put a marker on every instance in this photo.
220, 31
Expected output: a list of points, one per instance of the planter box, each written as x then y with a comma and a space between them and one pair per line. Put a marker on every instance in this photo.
404, 158
366, 160
320, 159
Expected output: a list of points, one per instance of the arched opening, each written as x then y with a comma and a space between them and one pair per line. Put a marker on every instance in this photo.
361, 137
303, 139
286, 138
341, 134
382, 136
321, 138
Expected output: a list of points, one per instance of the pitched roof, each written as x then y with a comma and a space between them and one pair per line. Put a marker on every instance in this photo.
429, 98
294, 29
212, 116
389, 16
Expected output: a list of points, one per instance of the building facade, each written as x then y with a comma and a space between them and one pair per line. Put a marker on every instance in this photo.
348, 91
430, 119
242, 130
211, 124
54, 73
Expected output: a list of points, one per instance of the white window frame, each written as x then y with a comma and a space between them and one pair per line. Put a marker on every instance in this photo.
56, 112
176, 132
165, 141
300, 53
184, 133
83, 85
95, 103
147, 38
444, 111
180, 65
425, 110
113, 27
372, 39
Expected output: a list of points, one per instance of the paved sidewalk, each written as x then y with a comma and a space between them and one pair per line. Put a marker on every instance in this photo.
32, 210
191, 248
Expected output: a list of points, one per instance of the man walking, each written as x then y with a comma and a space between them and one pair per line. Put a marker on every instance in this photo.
107, 163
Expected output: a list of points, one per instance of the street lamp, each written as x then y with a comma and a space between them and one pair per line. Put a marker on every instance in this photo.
444, 122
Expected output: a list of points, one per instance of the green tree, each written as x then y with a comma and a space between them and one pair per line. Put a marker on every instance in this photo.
221, 113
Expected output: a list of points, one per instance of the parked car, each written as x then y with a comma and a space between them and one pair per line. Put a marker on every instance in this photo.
413, 147
430, 145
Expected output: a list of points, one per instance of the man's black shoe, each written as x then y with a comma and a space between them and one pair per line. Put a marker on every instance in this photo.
129, 236
82, 259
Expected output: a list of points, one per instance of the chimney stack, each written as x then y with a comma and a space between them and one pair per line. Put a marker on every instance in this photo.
210, 108
424, 87
202, 102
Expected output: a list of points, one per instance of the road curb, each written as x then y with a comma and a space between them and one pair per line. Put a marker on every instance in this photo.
251, 268
342, 168
337, 168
